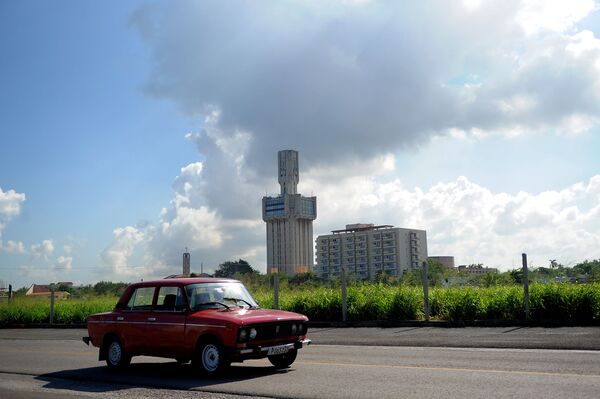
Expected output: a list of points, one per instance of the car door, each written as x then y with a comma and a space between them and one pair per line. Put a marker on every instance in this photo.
135, 320
166, 326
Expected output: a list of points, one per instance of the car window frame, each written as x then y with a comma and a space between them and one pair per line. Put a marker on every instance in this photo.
154, 296
181, 292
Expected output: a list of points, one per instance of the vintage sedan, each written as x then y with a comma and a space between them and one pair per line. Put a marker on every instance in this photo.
210, 321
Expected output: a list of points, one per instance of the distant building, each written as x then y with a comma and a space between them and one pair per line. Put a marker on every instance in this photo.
289, 218
186, 263
44, 290
476, 269
366, 250
446, 261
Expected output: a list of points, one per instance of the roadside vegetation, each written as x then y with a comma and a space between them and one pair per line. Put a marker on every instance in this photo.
497, 297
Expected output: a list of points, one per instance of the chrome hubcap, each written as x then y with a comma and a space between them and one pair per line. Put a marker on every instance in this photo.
210, 357
114, 353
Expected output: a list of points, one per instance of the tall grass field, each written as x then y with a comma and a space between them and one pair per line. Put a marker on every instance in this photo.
563, 302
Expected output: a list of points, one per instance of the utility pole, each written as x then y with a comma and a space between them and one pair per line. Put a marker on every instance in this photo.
425, 291
344, 296
276, 290
525, 286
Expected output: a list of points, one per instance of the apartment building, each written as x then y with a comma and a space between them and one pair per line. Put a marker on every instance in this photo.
366, 250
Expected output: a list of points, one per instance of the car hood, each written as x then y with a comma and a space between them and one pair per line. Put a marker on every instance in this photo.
249, 316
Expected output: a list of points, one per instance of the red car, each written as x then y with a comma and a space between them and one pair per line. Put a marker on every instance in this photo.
210, 321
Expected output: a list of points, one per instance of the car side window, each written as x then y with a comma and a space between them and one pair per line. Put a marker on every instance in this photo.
169, 299
141, 299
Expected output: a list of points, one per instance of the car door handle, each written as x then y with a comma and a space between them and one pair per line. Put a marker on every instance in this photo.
151, 318
120, 318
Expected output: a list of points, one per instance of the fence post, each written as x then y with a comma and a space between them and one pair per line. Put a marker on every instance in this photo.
344, 296
425, 291
276, 290
51, 305
525, 286
9, 294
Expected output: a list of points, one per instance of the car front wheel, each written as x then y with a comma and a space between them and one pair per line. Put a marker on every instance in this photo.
284, 360
115, 355
210, 358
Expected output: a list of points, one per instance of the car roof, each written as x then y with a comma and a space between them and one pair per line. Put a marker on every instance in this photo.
183, 281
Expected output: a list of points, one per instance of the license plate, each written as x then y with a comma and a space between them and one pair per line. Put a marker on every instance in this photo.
278, 350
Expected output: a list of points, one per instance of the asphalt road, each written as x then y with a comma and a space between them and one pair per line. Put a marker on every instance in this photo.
56, 364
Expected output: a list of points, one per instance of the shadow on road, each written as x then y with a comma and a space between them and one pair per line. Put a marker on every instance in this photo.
153, 375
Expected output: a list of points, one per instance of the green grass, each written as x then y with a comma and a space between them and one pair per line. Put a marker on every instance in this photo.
66, 311
564, 302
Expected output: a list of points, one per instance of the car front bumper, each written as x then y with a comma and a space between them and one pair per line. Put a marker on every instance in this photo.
263, 351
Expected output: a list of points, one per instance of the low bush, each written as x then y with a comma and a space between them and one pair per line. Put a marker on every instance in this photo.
368, 301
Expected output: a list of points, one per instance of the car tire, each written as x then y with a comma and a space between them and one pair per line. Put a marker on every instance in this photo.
116, 357
284, 360
210, 358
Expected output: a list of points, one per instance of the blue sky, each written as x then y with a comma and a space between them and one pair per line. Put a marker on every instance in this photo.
135, 129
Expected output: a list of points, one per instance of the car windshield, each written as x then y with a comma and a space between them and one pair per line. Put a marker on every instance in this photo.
219, 295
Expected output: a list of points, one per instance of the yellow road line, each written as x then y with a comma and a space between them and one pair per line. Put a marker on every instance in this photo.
456, 369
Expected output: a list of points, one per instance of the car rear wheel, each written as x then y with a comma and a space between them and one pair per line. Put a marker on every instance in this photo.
210, 358
284, 360
115, 355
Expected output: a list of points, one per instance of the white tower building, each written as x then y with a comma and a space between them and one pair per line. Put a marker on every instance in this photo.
289, 219
186, 262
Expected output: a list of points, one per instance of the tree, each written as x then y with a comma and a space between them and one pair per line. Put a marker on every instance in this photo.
591, 268
228, 269
517, 276
304, 278
109, 288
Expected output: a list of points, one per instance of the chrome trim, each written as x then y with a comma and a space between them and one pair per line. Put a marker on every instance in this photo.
153, 323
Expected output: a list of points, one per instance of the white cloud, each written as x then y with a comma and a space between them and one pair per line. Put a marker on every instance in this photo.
44, 249
10, 203
64, 263
13, 247
122, 248
555, 15
10, 206
470, 221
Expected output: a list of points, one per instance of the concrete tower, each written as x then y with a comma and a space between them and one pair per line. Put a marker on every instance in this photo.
289, 219
186, 262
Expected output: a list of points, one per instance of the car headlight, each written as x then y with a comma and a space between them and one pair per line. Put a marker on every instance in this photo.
301, 328
243, 335
253, 333
294, 329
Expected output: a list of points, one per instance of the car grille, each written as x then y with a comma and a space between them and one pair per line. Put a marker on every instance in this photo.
277, 330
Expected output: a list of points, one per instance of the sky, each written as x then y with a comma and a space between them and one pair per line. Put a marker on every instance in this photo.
131, 131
